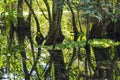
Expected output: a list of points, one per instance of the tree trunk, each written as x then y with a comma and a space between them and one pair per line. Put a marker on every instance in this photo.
20, 31
113, 32
59, 65
54, 37
102, 55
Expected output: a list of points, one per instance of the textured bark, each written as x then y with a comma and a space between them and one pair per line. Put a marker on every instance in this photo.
113, 32
20, 30
54, 37
102, 55
59, 65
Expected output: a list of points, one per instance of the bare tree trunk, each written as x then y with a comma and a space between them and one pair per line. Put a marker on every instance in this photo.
54, 37
59, 65
102, 55
20, 30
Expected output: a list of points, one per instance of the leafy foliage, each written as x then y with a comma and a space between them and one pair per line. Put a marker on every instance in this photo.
100, 43
80, 61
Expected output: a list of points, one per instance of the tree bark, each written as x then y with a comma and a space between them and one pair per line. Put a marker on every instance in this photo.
102, 55
54, 37
20, 30
59, 65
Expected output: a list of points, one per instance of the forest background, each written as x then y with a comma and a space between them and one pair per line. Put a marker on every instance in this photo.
60, 39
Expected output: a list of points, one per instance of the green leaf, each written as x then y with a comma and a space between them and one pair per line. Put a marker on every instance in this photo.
13, 18
103, 43
99, 17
